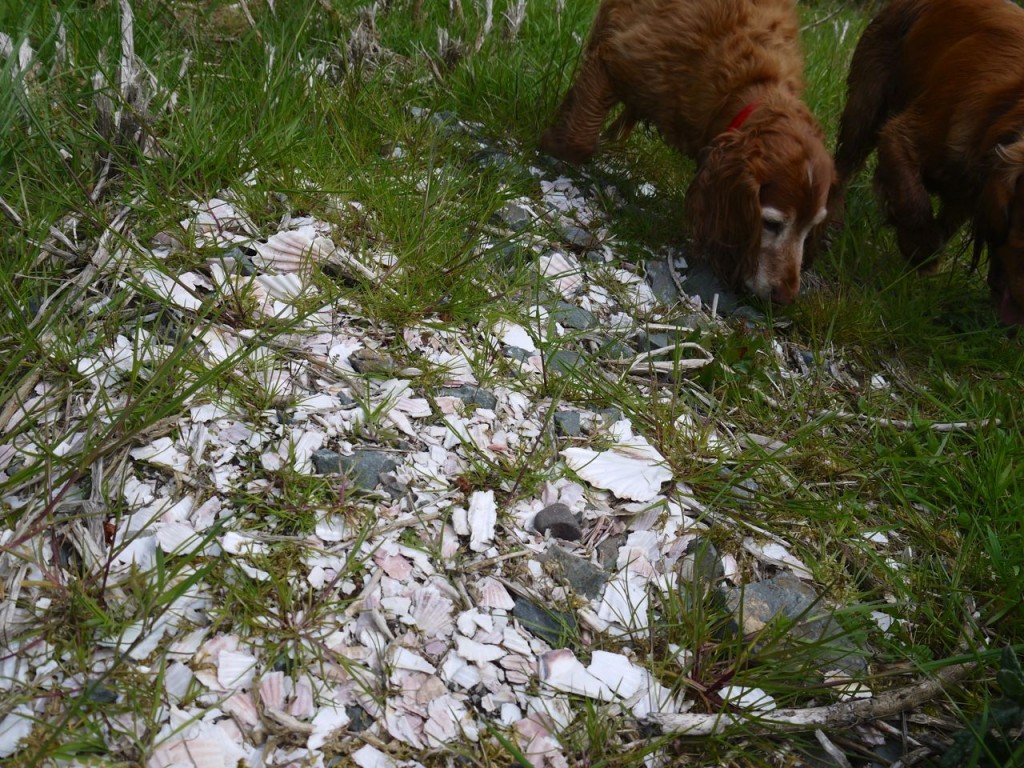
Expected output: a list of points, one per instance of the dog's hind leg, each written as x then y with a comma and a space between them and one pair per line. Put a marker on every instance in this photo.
575, 133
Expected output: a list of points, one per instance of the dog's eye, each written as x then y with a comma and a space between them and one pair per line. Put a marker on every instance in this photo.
773, 227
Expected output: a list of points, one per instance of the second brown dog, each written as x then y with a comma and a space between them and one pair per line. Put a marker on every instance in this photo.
721, 80
938, 87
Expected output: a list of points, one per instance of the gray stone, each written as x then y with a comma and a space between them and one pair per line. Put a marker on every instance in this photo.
471, 395
371, 361
610, 415
578, 237
364, 467
359, 718
515, 216
757, 604
554, 627
659, 277
517, 353
582, 575
326, 462
608, 551
567, 423
558, 519
565, 361
572, 316
614, 349
701, 563
346, 400
701, 281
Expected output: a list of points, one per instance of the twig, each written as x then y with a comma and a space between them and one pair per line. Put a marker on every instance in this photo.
819, 22
881, 421
844, 714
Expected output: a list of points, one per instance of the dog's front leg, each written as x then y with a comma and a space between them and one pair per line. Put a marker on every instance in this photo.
905, 199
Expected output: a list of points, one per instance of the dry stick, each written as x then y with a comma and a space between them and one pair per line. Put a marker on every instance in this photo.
942, 426
844, 714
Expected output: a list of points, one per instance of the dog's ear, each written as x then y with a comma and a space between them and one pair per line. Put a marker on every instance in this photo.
820, 239
723, 209
1001, 213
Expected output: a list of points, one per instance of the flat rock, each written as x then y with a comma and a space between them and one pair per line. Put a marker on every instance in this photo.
364, 467
566, 361
471, 395
757, 604
558, 519
572, 316
552, 626
326, 462
567, 423
582, 575
371, 361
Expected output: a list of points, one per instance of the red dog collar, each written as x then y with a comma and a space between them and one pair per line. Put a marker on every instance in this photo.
741, 116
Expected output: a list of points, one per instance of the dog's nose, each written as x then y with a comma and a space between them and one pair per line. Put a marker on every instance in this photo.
782, 294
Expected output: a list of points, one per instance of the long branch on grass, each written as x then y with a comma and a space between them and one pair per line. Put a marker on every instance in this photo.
881, 421
844, 714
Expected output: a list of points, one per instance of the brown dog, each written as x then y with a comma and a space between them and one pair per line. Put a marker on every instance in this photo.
938, 87
721, 81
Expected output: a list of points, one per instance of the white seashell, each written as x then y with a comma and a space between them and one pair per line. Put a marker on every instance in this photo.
174, 291
328, 721
617, 672
747, 698
272, 690
652, 697
514, 335
457, 671
207, 751
482, 516
177, 538
162, 453
242, 708
492, 594
177, 680
627, 478
625, 601
292, 250
286, 287
235, 669
432, 612
476, 652
371, 757
774, 553
562, 671
14, 727
563, 270
302, 705
402, 658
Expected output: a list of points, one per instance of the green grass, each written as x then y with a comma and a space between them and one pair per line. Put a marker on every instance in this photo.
241, 108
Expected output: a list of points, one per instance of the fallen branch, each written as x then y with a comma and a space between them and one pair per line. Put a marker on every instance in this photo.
939, 426
844, 714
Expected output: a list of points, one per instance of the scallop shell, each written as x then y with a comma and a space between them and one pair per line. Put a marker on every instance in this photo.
273, 690
432, 612
491, 593
562, 671
627, 478
292, 250
286, 287
235, 669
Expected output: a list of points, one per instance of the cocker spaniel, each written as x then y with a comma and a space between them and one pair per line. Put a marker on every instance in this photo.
721, 80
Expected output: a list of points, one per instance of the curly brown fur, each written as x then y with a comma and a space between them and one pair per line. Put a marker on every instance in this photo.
689, 67
937, 87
